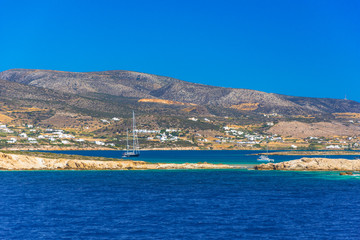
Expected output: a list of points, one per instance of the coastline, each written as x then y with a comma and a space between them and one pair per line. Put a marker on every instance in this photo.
32, 160
26, 162
312, 153
313, 164
275, 153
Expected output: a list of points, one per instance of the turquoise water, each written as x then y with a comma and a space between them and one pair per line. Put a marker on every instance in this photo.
227, 157
179, 204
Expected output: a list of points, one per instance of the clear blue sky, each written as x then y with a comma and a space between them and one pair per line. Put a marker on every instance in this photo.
302, 48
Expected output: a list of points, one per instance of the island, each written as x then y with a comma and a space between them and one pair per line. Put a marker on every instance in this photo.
312, 153
48, 161
313, 164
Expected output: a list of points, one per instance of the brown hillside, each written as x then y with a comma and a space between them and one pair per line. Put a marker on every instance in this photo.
141, 85
325, 129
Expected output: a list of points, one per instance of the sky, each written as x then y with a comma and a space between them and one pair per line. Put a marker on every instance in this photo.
301, 48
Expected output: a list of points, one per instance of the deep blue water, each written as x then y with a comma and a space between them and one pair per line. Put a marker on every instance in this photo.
179, 204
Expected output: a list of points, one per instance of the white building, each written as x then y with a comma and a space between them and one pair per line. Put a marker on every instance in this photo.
172, 130
99, 143
66, 136
193, 119
146, 131
333, 147
23, 135
6, 130
12, 140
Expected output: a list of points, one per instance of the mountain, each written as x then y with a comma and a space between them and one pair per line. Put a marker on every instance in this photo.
213, 100
80, 101
65, 109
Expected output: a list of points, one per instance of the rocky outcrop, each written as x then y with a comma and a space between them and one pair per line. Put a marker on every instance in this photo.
311, 153
313, 164
22, 162
246, 106
162, 101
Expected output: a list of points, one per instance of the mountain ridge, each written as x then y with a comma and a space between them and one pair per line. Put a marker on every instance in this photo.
131, 84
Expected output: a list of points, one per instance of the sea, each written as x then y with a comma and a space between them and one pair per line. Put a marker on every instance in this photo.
180, 204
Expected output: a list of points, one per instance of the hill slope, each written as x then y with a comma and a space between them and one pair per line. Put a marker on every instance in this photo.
136, 85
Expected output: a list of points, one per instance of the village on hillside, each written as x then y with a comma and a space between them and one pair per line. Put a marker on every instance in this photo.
228, 137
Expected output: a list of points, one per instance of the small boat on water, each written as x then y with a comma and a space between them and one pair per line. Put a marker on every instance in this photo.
135, 151
265, 158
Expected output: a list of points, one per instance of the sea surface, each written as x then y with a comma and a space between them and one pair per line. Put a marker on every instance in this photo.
246, 157
179, 204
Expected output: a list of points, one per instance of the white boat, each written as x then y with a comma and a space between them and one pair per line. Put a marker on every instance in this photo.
135, 151
265, 158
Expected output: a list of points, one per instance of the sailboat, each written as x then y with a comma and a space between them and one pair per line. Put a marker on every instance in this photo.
135, 151
265, 158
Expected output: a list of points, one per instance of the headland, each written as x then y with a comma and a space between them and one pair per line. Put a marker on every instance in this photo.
313, 164
9, 161
311, 153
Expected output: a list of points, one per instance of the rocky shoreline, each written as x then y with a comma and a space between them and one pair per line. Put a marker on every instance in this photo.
24, 162
16, 161
313, 164
311, 153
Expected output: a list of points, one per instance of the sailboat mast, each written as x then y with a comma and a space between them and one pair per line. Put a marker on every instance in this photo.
127, 140
133, 132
